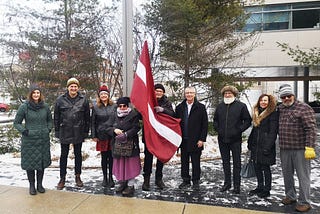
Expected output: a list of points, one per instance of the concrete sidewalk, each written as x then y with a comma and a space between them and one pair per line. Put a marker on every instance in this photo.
17, 200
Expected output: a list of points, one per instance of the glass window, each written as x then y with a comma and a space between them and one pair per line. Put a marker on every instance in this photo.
305, 18
253, 23
276, 7
306, 5
253, 9
276, 21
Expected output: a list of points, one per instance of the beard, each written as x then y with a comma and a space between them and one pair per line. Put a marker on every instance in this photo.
228, 100
288, 103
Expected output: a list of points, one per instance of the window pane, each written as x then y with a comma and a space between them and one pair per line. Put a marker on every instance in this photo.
253, 23
306, 5
253, 9
276, 7
276, 21
305, 19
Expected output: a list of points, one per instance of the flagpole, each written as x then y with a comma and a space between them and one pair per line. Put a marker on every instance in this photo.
127, 64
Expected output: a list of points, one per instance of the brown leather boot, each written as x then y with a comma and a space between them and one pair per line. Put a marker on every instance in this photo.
61, 183
79, 183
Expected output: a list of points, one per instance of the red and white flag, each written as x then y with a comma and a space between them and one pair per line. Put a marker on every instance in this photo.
161, 131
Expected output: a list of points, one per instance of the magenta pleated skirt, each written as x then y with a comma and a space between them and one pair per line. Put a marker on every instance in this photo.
126, 168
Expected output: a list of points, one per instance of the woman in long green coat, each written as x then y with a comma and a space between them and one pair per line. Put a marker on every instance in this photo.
35, 140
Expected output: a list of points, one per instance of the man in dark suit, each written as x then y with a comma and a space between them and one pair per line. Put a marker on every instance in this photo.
194, 126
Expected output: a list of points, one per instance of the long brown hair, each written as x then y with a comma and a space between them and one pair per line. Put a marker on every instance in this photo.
41, 98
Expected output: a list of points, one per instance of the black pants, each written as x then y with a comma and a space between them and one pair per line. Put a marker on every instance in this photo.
147, 167
195, 162
235, 149
106, 163
263, 173
64, 158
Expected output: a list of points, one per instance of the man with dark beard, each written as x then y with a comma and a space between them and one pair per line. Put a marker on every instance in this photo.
231, 118
297, 137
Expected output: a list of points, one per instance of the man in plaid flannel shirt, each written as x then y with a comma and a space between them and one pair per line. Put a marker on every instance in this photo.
297, 137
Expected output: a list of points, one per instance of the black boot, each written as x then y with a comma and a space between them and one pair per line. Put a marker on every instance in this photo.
32, 188
39, 181
160, 184
104, 181
121, 187
111, 181
128, 191
146, 183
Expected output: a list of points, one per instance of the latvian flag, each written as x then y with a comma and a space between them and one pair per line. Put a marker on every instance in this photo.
162, 132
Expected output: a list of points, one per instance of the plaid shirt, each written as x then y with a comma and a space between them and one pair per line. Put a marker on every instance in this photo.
297, 126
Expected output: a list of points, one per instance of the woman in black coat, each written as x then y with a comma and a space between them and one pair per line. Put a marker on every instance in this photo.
261, 142
103, 117
125, 147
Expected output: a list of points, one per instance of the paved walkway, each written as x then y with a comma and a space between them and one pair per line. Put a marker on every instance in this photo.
17, 200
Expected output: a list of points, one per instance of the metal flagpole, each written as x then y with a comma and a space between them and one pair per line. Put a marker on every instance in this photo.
127, 26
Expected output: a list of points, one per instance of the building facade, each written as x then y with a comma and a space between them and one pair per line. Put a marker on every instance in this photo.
296, 23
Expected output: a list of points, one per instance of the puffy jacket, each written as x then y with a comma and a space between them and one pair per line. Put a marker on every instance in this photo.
35, 140
71, 118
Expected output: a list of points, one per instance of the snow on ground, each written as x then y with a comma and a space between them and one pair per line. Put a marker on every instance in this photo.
211, 179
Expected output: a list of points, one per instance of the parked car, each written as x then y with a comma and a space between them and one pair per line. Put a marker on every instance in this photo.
4, 107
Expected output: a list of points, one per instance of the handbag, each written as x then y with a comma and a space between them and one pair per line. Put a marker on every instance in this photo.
123, 149
247, 169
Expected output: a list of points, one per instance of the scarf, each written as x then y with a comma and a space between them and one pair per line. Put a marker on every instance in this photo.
36, 106
123, 113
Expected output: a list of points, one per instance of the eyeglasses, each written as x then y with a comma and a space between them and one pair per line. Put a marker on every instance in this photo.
122, 106
284, 97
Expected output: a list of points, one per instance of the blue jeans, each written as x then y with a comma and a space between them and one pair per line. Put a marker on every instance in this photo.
294, 160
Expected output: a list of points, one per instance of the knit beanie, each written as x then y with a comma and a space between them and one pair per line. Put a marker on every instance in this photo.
34, 87
123, 100
104, 88
231, 88
159, 86
285, 90
73, 81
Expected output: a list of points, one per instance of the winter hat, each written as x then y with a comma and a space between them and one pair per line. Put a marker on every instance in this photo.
285, 90
34, 87
104, 88
231, 88
123, 100
73, 81
159, 86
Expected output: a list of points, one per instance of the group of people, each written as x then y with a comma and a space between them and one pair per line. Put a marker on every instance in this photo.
115, 127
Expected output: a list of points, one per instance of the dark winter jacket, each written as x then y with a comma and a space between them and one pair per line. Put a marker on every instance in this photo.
71, 118
261, 141
230, 120
130, 125
35, 140
103, 117
197, 125
167, 105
